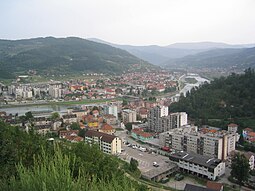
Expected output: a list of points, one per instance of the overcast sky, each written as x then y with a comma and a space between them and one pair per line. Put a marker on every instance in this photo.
137, 22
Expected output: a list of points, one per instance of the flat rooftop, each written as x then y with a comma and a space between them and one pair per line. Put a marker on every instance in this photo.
202, 160
159, 170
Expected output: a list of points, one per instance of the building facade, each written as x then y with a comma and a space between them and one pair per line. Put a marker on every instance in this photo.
128, 116
199, 165
109, 144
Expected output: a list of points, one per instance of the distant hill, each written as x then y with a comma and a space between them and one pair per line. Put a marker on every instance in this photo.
217, 58
158, 55
208, 45
64, 56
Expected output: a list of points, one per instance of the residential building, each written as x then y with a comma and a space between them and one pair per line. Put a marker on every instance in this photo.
69, 118
55, 90
110, 119
199, 165
128, 116
160, 121
111, 109
250, 157
109, 144
190, 187
42, 129
65, 133
140, 135
212, 143
232, 128
106, 128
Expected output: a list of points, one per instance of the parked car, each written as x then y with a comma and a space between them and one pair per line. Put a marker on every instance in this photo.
155, 164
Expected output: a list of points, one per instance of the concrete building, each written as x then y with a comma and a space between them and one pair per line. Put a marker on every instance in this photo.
157, 174
202, 166
250, 157
70, 118
232, 128
109, 144
218, 144
128, 116
111, 109
160, 121
55, 90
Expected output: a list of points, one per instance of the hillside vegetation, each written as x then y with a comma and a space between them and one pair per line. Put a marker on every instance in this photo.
229, 99
29, 162
218, 58
64, 56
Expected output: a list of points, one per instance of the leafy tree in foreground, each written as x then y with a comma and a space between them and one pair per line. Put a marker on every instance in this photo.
240, 168
133, 165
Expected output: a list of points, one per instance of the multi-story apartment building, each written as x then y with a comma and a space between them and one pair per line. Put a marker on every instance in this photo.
55, 90
199, 165
218, 144
128, 116
109, 144
160, 121
111, 109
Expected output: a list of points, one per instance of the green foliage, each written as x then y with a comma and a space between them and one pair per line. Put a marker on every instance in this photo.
29, 115
240, 168
224, 99
128, 126
218, 58
55, 116
28, 162
82, 132
75, 126
133, 165
63, 56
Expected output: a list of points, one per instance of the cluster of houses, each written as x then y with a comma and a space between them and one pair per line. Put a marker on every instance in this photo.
104, 88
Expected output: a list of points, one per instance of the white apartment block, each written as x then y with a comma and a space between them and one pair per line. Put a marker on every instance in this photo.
218, 144
55, 90
199, 165
128, 116
111, 109
107, 143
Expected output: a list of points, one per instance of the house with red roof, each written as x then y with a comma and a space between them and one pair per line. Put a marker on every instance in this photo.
139, 134
106, 128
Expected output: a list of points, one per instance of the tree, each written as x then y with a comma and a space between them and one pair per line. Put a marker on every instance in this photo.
75, 126
82, 132
240, 168
128, 126
133, 165
55, 116
241, 140
124, 102
29, 115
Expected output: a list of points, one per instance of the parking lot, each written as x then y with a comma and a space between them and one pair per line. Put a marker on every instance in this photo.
145, 159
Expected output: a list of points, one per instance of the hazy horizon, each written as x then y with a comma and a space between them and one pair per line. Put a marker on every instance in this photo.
143, 22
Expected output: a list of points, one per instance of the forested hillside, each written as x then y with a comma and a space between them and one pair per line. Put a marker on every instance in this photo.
29, 162
64, 56
219, 58
229, 98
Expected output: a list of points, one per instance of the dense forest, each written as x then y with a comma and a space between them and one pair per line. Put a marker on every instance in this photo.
30, 162
64, 56
224, 100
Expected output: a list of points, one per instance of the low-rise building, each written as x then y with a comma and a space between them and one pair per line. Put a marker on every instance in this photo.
109, 144
250, 157
106, 128
199, 165
139, 134
110, 119
70, 118
42, 129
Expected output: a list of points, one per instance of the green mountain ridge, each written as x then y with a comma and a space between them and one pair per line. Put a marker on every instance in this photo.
219, 58
64, 56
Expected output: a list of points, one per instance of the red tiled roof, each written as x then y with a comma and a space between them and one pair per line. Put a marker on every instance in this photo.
232, 125
251, 134
106, 127
104, 137
214, 185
